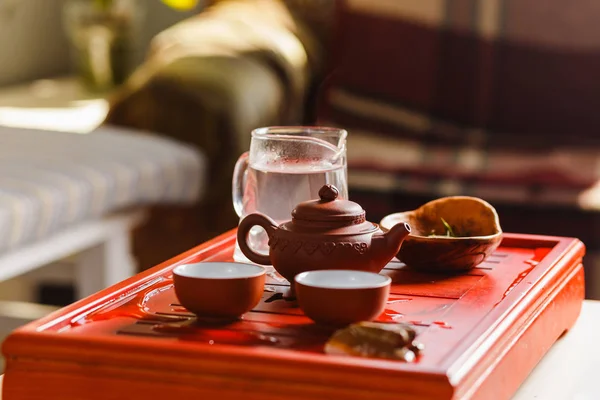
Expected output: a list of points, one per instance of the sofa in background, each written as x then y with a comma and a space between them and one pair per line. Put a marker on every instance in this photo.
209, 81
69, 203
492, 99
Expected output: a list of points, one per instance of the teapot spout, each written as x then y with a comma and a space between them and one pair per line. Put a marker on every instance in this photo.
389, 243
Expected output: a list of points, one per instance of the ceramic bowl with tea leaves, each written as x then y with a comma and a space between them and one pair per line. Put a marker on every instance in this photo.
454, 233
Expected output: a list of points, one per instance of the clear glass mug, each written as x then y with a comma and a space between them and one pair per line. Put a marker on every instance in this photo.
286, 166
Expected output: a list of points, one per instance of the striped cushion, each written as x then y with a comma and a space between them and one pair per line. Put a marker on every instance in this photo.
52, 180
495, 99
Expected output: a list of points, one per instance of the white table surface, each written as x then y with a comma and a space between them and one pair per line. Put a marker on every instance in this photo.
570, 370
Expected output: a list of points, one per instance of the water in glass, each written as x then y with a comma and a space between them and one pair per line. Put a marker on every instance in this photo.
284, 167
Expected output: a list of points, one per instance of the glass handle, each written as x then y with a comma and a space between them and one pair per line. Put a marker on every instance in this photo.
237, 184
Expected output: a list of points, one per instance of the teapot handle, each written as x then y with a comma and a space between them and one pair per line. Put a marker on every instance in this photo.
248, 223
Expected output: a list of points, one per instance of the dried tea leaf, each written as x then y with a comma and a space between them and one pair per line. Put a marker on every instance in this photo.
371, 339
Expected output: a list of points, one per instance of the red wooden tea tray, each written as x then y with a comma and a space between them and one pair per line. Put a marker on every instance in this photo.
483, 331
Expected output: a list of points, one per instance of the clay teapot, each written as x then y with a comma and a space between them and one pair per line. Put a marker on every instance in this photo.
328, 233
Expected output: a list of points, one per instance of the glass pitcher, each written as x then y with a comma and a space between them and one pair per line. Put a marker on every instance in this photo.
286, 166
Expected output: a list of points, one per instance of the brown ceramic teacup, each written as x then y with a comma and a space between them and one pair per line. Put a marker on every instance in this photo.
219, 289
342, 297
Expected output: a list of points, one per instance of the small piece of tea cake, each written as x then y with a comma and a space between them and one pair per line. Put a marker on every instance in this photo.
372, 339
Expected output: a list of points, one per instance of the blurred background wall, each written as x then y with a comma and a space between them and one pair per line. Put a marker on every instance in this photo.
33, 43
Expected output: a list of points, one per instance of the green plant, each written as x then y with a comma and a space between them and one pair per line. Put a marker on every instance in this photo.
180, 5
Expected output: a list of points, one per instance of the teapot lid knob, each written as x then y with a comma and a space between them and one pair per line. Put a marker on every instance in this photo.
329, 208
328, 193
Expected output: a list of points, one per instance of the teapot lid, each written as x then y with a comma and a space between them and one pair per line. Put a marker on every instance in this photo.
329, 209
